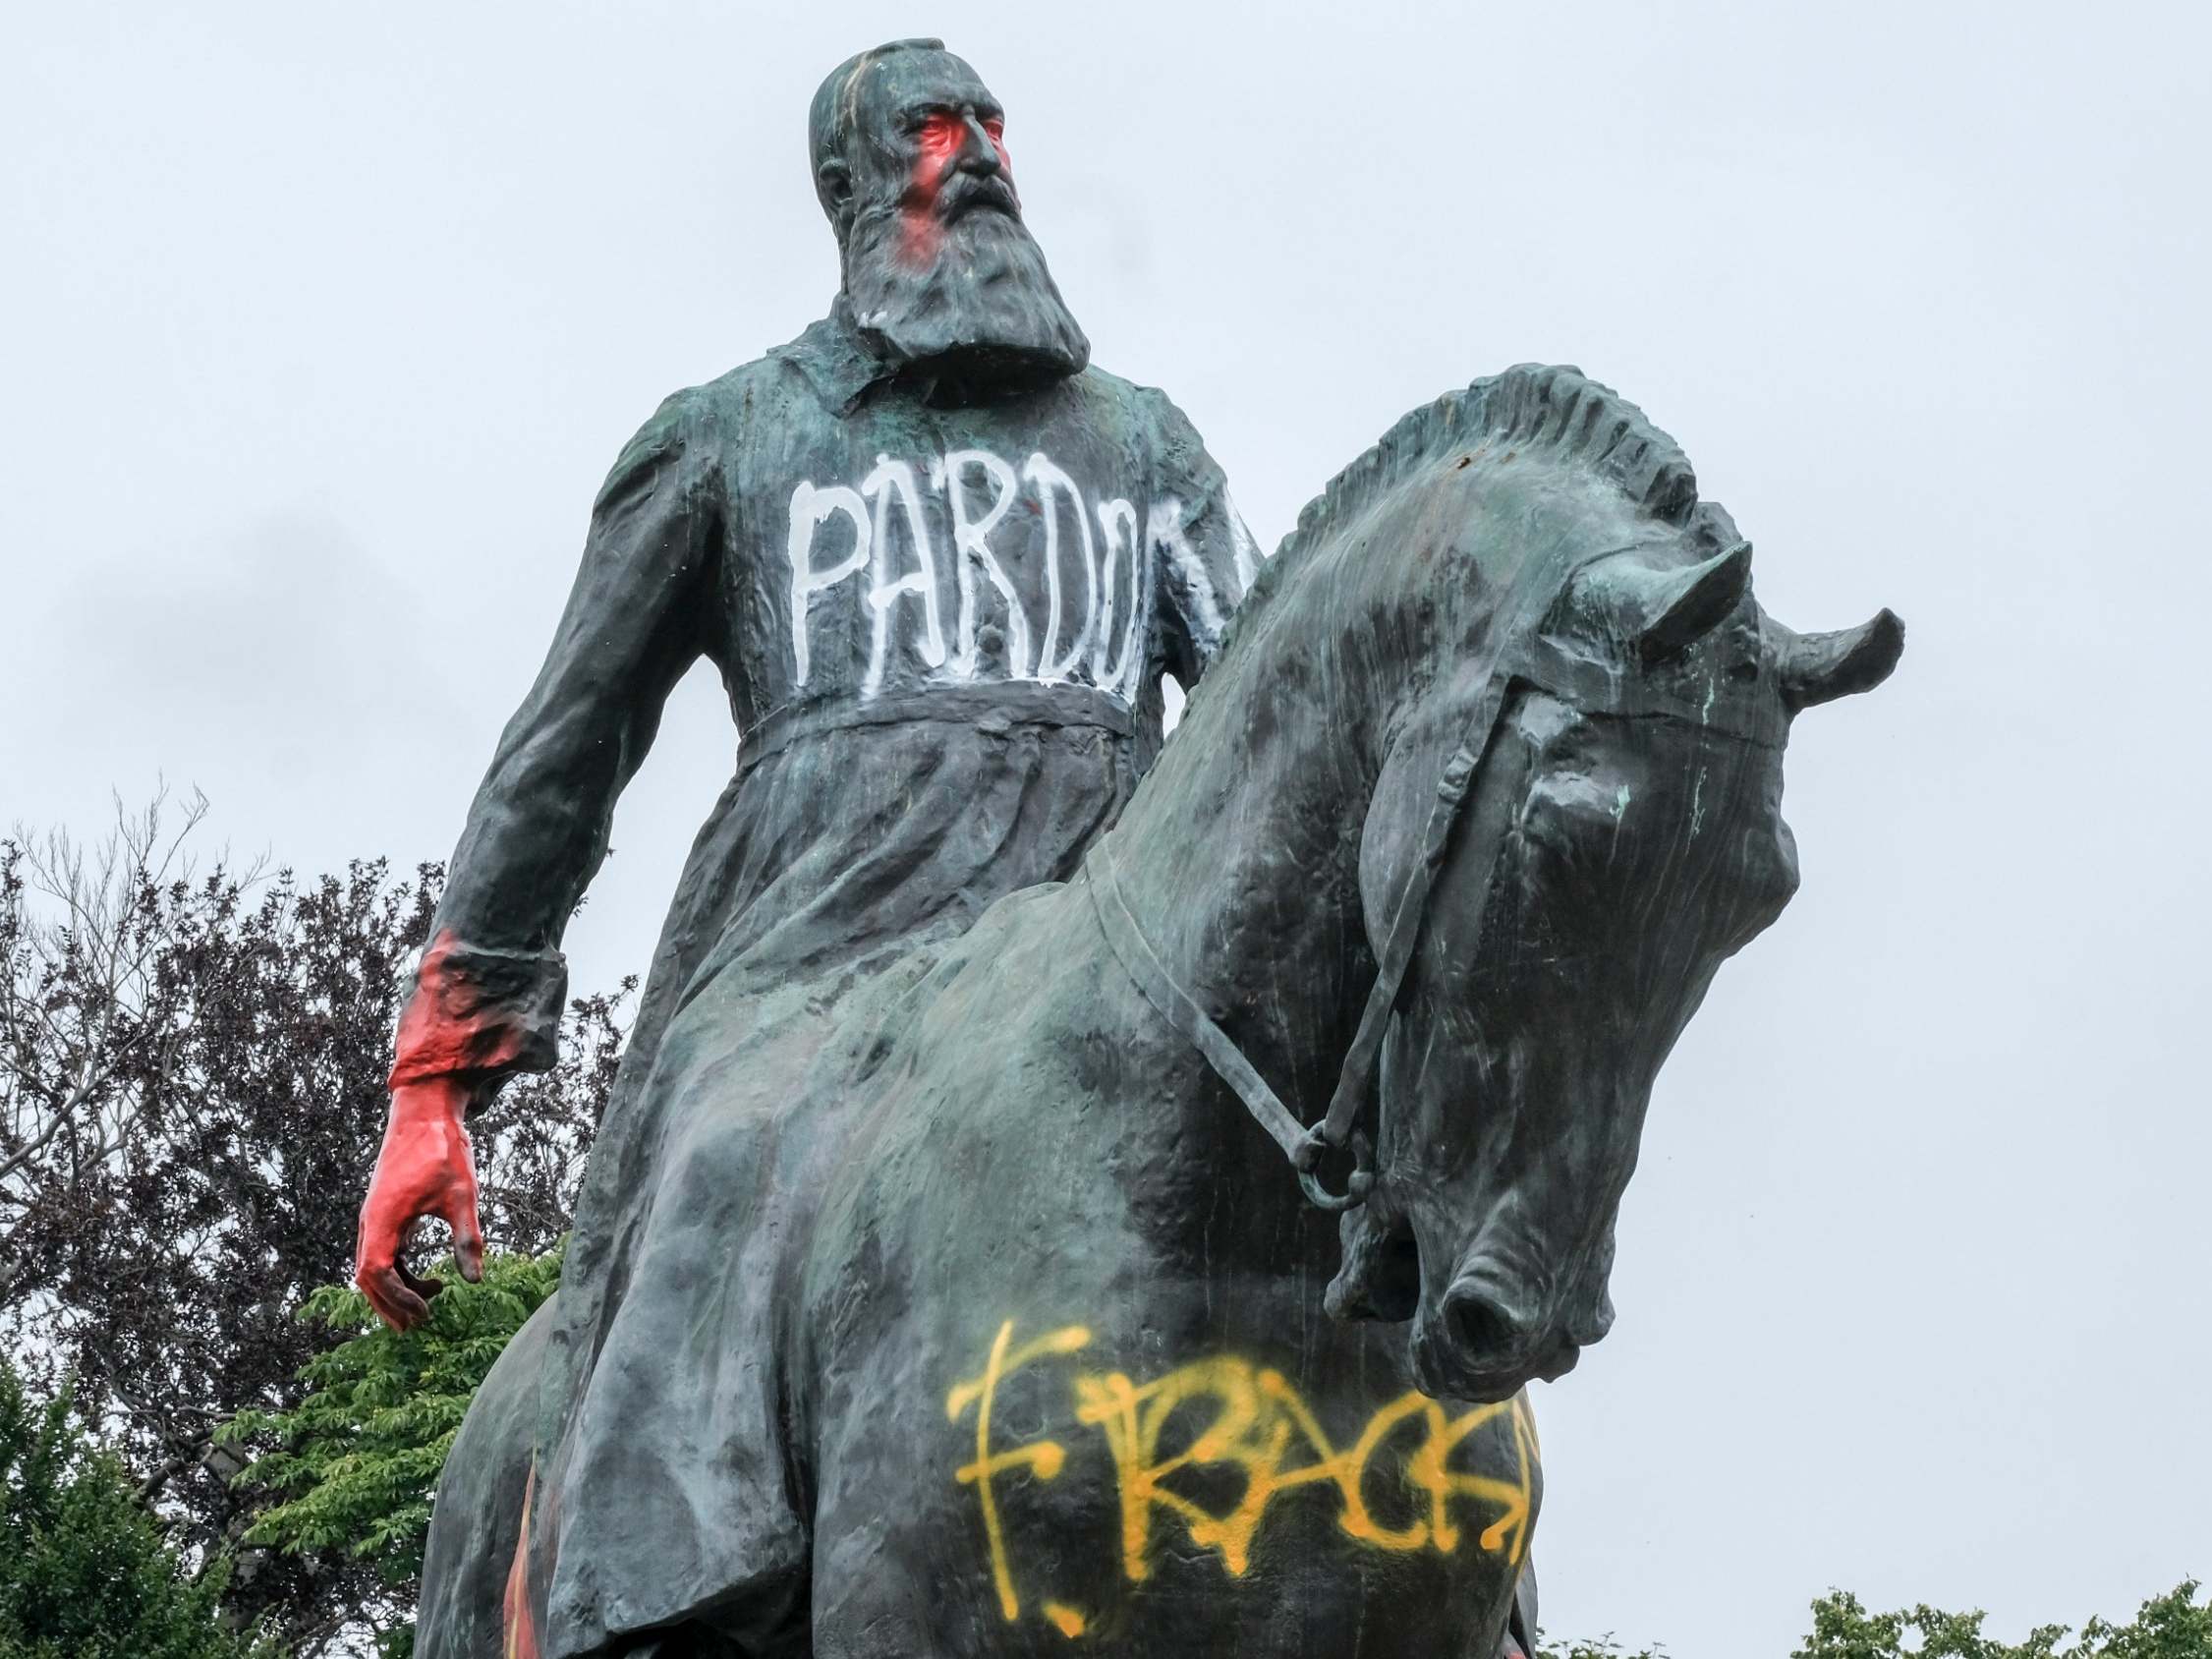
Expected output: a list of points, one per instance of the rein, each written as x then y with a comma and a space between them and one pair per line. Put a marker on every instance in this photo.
1302, 1144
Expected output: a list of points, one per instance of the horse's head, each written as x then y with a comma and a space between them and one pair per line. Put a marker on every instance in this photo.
1620, 837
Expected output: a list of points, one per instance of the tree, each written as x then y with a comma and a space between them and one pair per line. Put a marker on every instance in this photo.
86, 1574
359, 1458
2173, 1625
1603, 1647
192, 1095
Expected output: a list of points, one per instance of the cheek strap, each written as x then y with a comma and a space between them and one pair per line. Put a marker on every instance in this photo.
1535, 588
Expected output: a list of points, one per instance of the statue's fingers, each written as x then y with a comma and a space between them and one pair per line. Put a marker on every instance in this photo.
468, 1234
421, 1285
396, 1302
375, 1251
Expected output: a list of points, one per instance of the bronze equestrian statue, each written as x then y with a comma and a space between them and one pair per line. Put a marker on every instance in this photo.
949, 1277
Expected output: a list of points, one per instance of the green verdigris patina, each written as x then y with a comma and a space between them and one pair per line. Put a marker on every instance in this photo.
932, 1291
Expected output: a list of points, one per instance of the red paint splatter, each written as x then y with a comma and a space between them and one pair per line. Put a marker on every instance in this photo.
940, 143
939, 140
445, 1030
448, 1039
425, 1168
517, 1618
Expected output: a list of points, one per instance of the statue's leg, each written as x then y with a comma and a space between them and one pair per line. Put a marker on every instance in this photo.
1521, 1629
477, 1520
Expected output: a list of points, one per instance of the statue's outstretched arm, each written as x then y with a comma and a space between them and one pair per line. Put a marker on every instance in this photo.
492, 982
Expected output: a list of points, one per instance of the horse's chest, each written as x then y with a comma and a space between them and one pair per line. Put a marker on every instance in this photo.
1071, 1485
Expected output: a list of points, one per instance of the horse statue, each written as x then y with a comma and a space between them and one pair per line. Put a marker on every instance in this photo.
1481, 790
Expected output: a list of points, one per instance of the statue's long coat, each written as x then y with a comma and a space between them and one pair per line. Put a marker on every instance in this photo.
955, 715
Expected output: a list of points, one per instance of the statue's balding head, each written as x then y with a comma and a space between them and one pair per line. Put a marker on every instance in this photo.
909, 162
836, 112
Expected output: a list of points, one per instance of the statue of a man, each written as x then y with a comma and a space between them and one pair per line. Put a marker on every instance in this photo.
941, 564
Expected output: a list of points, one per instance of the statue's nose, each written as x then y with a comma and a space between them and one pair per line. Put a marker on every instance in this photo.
977, 154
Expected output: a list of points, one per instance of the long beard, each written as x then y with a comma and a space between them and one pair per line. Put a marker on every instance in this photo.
971, 297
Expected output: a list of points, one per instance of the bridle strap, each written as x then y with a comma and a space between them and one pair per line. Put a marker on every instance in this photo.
1516, 619
1404, 931
1182, 1011
1125, 939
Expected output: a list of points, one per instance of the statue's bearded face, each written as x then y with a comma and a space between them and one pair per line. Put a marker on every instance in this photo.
939, 268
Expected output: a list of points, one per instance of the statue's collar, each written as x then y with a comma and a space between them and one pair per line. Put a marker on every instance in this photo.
836, 360
843, 366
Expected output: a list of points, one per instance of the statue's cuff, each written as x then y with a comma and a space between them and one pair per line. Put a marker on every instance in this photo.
480, 1012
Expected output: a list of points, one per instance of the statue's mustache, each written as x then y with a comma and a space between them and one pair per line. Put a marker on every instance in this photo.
966, 191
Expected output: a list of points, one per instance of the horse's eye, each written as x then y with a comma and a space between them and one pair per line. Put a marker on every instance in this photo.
1578, 799
1566, 812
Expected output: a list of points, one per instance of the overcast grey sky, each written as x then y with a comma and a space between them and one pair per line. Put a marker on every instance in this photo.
319, 328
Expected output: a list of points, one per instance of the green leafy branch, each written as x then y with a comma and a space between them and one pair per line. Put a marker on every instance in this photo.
356, 1461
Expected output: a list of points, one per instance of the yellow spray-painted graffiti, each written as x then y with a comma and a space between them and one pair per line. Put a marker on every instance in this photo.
1260, 1427
1044, 1458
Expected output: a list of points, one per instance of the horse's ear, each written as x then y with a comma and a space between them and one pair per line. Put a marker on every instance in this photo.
1660, 613
1818, 667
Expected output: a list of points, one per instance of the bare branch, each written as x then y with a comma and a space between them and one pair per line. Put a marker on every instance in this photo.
192, 1065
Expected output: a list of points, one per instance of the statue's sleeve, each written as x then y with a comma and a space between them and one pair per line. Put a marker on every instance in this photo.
1205, 556
492, 982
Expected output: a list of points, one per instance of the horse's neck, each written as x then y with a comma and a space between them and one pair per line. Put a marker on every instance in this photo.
1240, 862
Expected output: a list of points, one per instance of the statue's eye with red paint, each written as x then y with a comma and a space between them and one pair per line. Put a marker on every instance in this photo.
995, 129
939, 136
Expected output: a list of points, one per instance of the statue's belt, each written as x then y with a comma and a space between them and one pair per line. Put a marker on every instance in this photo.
997, 707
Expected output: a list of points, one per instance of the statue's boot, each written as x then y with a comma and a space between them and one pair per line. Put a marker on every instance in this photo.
477, 1520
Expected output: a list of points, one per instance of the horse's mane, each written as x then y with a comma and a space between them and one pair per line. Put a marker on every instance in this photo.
1540, 410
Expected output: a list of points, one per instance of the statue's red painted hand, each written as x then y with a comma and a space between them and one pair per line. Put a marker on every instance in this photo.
424, 1169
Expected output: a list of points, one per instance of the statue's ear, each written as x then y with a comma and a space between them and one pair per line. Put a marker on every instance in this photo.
1820, 667
1659, 611
834, 183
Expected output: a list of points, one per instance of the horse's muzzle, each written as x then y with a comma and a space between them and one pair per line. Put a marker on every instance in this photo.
1481, 1342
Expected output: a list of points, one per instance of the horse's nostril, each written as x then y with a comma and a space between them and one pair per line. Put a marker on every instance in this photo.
1481, 1327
